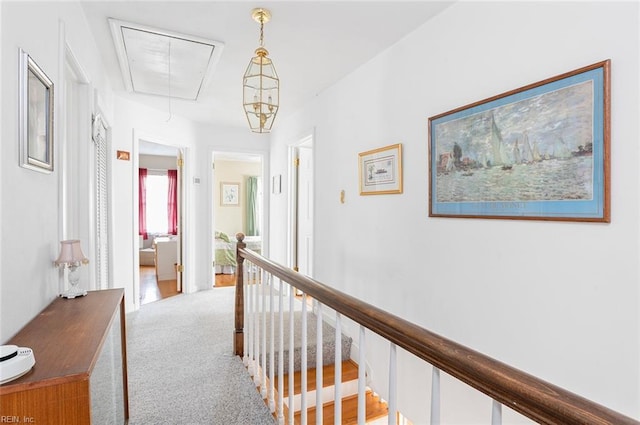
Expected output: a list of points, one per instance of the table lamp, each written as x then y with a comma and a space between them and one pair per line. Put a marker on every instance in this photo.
71, 257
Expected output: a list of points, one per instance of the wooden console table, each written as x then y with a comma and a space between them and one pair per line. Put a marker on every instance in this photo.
80, 375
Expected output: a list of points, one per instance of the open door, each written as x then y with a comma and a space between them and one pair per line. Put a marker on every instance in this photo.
161, 254
237, 206
302, 229
180, 235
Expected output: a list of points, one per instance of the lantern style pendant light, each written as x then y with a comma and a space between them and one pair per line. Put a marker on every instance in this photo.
261, 86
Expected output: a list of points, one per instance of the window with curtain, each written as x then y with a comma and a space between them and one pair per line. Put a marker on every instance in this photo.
158, 202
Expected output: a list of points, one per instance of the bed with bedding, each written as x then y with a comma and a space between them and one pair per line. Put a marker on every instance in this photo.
225, 251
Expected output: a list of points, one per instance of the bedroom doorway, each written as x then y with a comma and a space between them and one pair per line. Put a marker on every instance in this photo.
301, 205
160, 214
237, 206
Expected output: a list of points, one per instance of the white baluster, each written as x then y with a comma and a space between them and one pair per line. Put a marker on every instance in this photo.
338, 372
263, 295
362, 384
281, 354
249, 306
496, 413
393, 385
245, 312
303, 363
292, 299
272, 322
319, 361
435, 396
256, 329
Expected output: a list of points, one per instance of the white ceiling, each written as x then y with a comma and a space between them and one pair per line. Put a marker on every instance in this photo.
313, 44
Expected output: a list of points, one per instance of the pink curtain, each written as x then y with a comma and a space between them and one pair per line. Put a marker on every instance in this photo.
172, 201
142, 202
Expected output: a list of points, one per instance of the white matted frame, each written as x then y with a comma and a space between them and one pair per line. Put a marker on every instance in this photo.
380, 170
229, 194
36, 116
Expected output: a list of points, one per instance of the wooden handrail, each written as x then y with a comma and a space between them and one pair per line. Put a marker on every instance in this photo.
540, 401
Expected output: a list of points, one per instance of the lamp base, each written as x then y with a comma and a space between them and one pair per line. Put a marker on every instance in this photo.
73, 293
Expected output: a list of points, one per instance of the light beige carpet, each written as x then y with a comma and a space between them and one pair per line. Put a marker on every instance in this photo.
181, 366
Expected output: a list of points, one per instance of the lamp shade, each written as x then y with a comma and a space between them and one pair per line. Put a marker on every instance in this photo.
71, 253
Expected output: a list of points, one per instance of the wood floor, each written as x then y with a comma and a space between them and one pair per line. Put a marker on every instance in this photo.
151, 290
225, 280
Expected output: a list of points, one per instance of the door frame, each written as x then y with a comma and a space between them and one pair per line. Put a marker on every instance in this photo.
75, 105
214, 196
306, 141
185, 280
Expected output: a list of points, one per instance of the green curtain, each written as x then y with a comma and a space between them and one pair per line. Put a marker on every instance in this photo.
253, 228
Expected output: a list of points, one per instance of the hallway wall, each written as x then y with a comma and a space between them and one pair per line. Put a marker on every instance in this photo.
31, 202
555, 299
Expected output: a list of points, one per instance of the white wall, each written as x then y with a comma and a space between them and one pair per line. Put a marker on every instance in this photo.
565, 302
30, 230
158, 162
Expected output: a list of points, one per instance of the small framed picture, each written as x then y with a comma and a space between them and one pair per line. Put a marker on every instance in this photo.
36, 116
229, 194
276, 184
381, 170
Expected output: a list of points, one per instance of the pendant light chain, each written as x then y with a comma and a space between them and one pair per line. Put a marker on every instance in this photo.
261, 30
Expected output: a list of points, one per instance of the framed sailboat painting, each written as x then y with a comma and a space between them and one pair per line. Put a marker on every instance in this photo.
540, 152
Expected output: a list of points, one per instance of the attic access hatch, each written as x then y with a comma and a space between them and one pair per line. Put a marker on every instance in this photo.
164, 63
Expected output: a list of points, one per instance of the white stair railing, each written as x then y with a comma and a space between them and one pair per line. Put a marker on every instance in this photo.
496, 413
263, 340
338, 374
281, 354
272, 346
435, 396
292, 301
362, 360
539, 400
393, 384
319, 364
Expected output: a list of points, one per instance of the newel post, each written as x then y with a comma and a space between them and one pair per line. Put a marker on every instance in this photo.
238, 337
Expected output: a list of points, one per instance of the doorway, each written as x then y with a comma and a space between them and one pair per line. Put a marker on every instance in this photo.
301, 207
160, 212
237, 207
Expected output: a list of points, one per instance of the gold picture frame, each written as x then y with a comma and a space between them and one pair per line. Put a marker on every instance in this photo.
380, 170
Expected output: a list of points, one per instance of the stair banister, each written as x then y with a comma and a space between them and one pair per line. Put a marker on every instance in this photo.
238, 338
292, 299
319, 363
534, 398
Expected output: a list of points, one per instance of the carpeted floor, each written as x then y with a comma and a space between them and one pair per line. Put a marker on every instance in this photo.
181, 367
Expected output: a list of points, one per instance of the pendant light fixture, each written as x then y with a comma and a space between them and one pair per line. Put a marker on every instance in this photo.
261, 86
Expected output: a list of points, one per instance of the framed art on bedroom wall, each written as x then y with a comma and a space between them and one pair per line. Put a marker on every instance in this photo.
229, 194
540, 152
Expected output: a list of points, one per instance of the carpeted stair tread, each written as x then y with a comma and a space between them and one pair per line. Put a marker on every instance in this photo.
328, 342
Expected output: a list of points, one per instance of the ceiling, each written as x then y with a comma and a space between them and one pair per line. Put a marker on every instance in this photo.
313, 44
